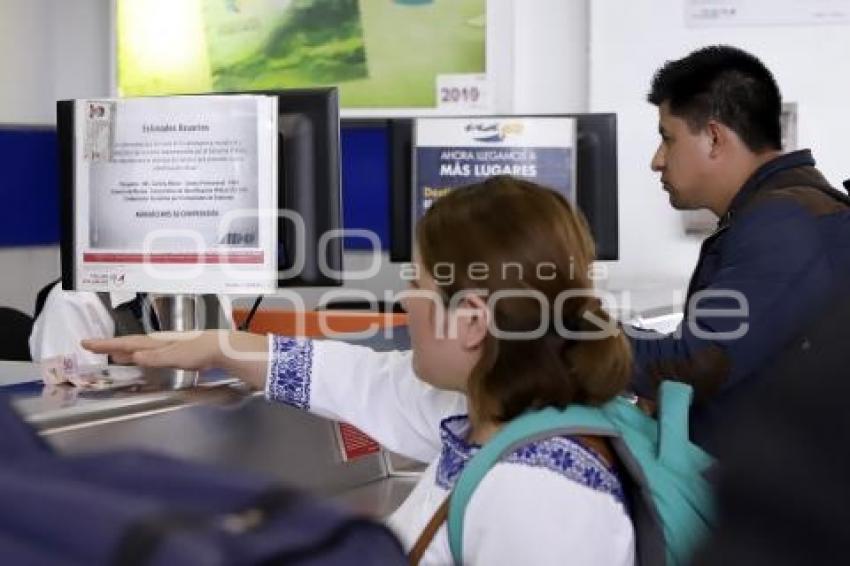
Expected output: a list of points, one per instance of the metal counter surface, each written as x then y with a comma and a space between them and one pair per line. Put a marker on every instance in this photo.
219, 422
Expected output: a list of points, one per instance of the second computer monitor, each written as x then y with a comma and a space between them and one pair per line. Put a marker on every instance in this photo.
384, 149
309, 185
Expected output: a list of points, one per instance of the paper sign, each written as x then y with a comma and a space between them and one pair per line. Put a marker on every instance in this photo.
451, 152
176, 194
730, 13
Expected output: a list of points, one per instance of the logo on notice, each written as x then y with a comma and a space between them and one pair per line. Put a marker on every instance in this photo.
238, 239
492, 132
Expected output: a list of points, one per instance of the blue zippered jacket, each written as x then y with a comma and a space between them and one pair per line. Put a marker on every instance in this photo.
778, 253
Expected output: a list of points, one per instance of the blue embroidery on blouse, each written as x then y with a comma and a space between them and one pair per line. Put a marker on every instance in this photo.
456, 451
291, 368
559, 454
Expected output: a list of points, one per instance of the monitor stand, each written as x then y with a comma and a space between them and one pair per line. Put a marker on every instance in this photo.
178, 313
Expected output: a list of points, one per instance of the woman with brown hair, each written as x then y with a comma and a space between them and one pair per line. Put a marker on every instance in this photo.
502, 319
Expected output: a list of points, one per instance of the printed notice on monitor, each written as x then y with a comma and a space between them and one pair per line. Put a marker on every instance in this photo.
176, 194
451, 152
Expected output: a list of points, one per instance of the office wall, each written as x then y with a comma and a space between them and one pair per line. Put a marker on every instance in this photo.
550, 60
49, 49
25, 63
25, 70
52, 49
628, 41
537, 59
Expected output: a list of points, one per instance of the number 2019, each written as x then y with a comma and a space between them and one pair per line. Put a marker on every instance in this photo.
459, 94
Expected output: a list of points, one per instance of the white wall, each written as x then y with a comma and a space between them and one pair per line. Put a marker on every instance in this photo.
26, 66
629, 41
25, 71
49, 49
81, 48
52, 49
550, 63
537, 63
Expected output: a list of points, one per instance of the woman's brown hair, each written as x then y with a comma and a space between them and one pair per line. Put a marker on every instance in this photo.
530, 239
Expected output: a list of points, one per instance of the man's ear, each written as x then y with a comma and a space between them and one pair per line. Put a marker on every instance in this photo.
718, 137
474, 321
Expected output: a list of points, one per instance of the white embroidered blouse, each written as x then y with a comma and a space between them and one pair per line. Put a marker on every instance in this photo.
552, 501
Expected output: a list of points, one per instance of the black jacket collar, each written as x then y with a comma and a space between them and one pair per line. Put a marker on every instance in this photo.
792, 160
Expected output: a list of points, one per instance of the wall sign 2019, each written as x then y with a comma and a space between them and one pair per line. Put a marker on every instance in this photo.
449, 95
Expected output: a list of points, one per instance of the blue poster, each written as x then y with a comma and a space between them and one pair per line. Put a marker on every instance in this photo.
452, 152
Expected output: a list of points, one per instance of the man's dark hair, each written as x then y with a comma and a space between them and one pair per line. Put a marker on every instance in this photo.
725, 84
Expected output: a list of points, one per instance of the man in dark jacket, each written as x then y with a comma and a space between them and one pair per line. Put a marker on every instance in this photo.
783, 489
781, 245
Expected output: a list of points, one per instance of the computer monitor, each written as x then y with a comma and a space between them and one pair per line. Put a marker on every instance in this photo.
376, 180
596, 180
308, 185
30, 216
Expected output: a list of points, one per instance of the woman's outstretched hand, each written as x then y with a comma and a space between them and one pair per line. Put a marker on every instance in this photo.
242, 354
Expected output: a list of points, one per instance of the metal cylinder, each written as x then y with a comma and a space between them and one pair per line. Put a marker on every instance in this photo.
178, 313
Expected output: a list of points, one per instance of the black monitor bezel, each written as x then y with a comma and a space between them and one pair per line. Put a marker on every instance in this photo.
321, 107
65, 130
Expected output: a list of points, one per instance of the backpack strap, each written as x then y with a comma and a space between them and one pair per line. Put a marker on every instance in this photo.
594, 443
673, 423
663, 444
575, 420
429, 532
634, 435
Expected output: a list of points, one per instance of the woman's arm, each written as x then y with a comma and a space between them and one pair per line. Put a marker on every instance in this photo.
377, 392
242, 354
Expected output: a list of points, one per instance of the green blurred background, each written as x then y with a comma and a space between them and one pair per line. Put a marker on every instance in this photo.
381, 53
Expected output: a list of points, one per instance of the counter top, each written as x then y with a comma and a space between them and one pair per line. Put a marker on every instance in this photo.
53, 407
219, 422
